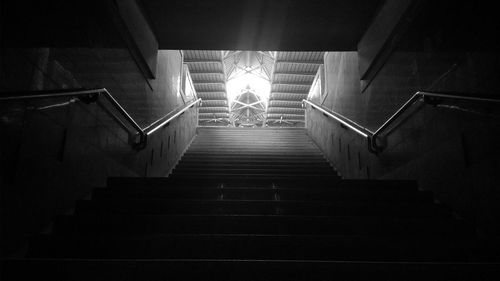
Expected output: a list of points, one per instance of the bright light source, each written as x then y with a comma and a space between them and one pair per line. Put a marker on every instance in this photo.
260, 86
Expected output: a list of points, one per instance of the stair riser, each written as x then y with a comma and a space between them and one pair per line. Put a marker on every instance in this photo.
256, 194
288, 154
253, 170
244, 270
267, 225
258, 208
269, 196
262, 165
259, 176
256, 247
314, 185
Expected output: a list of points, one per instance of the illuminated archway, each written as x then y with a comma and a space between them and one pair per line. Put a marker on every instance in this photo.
248, 86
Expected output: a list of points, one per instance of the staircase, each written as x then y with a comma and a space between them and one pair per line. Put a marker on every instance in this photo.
257, 204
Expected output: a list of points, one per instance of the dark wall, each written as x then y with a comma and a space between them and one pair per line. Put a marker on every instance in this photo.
55, 151
450, 148
191, 24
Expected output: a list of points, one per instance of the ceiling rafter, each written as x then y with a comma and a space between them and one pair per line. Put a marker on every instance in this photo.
201, 61
289, 73
244, 105
208, 75
296, 73
206, 72
293, 73
314, 62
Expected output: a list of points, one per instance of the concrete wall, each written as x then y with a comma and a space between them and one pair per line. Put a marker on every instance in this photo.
55, 151
450, 149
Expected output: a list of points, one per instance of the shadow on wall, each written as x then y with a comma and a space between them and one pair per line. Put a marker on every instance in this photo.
451, 148
56, 150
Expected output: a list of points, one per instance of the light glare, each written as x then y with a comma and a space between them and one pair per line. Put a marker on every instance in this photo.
259, 85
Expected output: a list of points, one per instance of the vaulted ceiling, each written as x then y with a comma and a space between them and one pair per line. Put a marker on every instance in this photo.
209, 79
292, 78
290, 75
248, 110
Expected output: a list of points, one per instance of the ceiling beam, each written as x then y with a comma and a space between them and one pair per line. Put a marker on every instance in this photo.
214, 103
200, 61
284, 115
206, 72
228, 54
209, 82
290, 93
315, 62
288, 120
296, 73
277, 108
291, 84
247, 105
214, 108
214, 115
215, 120
284, 101
210, 92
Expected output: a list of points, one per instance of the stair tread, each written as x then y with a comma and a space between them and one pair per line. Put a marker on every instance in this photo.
223, 269
265, 200
268, 224
262, 247
263, 207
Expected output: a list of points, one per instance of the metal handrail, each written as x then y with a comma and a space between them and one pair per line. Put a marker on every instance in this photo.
92, 95
155, 126
364, 132
423, 95
372, 136
31, 95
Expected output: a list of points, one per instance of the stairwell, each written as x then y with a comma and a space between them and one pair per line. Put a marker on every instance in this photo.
257, 204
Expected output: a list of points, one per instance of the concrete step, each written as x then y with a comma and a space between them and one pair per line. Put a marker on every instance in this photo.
275, 171
252, 157
266, 142
127, 224
254, 165
309, 183
262, 176
303, 154
264, 193
245, 270
253, 161
261, 207
248, 204
262, 247
253, 145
